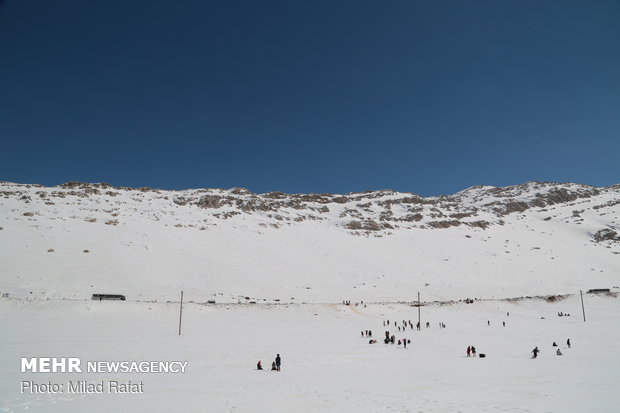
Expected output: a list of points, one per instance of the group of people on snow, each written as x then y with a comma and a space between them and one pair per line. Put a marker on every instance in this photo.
558, 352
275, 365
408, 324
471, 351
401, 326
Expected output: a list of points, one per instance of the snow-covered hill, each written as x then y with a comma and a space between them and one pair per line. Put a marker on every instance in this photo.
232, 245
59, 245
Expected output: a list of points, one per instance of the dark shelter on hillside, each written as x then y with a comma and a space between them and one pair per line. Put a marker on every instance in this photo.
101, 297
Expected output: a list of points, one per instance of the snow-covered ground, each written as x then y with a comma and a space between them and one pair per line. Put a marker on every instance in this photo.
70, 242
327, 365
298, 257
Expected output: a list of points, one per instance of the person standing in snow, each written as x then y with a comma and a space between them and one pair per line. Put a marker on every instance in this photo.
468, 351
568, 343
535, 352
278, 362
473, 351
259, 366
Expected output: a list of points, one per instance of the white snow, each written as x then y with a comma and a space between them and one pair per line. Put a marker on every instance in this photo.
299, 264
327, 366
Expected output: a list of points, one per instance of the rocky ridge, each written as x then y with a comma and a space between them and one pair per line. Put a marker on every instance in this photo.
362, 213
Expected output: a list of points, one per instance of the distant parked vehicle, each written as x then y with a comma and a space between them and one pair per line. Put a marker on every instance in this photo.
101, 297
599, 291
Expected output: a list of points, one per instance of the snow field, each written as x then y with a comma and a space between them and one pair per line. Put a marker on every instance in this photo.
327, 366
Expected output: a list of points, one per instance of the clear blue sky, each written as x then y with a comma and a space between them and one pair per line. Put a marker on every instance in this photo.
310, 96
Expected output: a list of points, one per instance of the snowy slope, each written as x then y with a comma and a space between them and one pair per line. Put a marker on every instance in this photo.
530, 239
327, 365
59, 245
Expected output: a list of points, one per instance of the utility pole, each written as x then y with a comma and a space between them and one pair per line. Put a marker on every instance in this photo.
583, 310
181, 312
419, 321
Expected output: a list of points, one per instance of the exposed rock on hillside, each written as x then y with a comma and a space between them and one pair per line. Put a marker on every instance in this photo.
378, 212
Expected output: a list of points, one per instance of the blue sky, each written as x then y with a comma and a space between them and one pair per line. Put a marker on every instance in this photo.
310, 96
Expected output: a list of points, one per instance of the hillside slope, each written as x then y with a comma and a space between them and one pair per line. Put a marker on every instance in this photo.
77, 239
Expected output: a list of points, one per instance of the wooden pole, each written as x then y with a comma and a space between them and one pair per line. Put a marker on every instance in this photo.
419, 321
583, 310
181, 312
